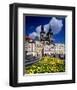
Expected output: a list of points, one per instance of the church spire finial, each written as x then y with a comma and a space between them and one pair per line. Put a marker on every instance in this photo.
42, 28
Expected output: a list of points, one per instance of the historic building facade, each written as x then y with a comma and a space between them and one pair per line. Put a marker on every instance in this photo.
44, 46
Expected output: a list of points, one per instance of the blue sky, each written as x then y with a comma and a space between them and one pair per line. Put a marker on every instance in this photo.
32, 24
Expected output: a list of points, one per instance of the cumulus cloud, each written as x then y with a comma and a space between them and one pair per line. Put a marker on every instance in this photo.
55, 25
46, 28
38, 29
33, 35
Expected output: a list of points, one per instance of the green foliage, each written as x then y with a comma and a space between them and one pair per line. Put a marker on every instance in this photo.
46, 65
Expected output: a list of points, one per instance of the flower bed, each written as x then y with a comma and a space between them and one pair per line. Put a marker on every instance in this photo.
46, 65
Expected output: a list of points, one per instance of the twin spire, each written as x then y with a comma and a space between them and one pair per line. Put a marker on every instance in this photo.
45, 36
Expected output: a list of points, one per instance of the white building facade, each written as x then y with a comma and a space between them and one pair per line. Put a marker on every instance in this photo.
58, 48
36, 48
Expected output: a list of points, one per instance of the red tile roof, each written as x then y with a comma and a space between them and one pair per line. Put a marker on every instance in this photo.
28, 38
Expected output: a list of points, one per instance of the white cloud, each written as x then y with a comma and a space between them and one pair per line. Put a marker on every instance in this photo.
56, 25
38, 29
46, 28
33, 35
